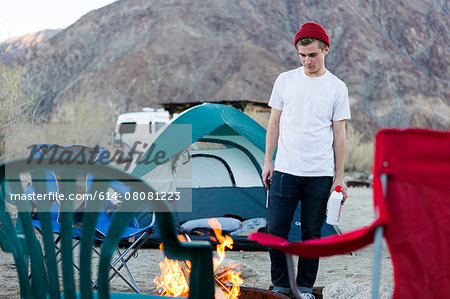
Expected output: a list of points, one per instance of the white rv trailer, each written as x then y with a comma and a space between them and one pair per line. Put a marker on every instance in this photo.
138, 127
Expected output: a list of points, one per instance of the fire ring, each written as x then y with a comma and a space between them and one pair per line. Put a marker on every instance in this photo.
254, 293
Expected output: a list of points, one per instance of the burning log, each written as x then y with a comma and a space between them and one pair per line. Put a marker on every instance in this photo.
223, 272
221, 291
185, 269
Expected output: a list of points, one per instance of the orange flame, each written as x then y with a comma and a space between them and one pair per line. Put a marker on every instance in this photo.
224, 241
173, 280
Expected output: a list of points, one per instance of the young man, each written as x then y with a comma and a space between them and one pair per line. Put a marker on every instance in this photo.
307, 121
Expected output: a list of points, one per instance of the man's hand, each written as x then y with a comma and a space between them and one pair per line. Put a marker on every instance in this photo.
340, 181
267, 173
273, 129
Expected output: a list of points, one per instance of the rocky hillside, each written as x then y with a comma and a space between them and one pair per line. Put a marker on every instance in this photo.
133, 53
14, 47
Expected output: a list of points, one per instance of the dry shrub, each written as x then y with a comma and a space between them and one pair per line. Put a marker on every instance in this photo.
359, 155
82, 121
258, 115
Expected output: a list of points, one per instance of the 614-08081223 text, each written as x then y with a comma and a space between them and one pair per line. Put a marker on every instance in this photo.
98, 195
152, 196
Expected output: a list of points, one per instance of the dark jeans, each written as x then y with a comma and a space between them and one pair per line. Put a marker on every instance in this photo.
286, 191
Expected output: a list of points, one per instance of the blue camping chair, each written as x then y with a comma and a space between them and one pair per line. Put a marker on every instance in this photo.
25, 245
138, 231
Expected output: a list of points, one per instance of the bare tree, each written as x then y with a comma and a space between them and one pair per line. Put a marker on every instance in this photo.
15, 106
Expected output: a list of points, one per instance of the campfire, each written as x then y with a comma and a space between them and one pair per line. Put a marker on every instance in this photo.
174, 279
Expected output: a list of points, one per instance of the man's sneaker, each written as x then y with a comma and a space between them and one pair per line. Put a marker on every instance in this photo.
308, 296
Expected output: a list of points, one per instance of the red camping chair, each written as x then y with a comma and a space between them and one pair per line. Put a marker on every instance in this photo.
412, 208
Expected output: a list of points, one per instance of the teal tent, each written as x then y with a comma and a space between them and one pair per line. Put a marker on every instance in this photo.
213, 154
226, 151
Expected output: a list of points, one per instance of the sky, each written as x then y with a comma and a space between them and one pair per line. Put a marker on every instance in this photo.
19, 17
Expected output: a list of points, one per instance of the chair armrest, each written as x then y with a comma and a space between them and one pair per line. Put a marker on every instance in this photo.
328, 246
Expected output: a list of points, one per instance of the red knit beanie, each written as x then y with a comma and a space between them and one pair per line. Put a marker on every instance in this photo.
313, 30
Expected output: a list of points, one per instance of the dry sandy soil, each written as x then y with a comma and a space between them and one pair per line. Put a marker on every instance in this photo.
357, 212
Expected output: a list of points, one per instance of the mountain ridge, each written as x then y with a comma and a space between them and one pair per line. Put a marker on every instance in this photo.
14, 47
138, 53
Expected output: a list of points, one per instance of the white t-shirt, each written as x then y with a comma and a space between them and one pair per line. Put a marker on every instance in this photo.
308, 105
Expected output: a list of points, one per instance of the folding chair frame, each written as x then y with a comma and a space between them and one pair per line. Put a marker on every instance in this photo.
122, 256
46, 283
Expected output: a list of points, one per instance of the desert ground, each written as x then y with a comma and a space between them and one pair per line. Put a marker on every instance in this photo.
346, 270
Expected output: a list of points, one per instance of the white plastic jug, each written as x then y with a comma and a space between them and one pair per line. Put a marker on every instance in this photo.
334, 206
